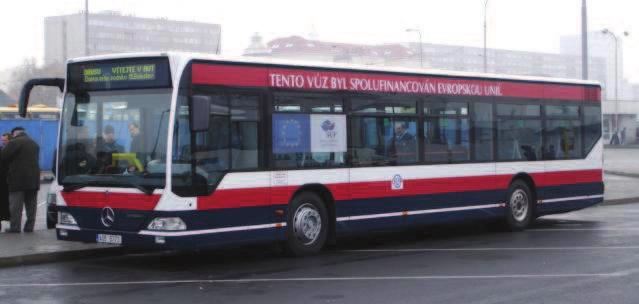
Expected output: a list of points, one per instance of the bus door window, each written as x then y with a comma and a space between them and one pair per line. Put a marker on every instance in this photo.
245, 123
230, 142
592, 127
211, 148
562, 132
519, 132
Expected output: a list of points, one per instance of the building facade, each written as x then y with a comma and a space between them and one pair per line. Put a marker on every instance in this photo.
110, 32
620, 97
600, 47
434, 56
463, 58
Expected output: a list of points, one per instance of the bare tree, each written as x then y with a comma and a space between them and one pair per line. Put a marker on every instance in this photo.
29, 70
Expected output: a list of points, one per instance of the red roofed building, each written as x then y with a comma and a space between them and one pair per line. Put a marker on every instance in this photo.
298, 48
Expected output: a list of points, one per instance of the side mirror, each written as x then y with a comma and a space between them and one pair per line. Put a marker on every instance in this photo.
55, 161
200, 108
81, 98
23, 102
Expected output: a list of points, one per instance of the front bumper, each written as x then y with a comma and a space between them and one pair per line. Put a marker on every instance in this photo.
186, 240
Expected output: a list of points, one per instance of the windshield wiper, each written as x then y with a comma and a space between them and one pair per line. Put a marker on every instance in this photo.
73, 187
148, 190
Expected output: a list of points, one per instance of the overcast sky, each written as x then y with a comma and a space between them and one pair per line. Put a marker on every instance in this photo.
512, 24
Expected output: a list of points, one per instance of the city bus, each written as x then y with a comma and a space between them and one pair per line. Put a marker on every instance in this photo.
40, 111
234, 150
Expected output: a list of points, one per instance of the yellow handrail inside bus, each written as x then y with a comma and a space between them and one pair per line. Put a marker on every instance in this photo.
129, 157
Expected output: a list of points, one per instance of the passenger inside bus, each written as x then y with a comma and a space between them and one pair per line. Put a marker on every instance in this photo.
79, 153
528, 152
137, 145
404, 144
106, 146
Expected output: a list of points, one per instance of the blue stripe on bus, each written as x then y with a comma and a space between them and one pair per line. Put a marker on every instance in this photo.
352, 216
553, 192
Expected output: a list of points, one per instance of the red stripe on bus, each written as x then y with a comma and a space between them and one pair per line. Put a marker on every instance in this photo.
315, 79
230, 75
567, 178
237, 198
255, 197
429, 186
259, 197
129, 201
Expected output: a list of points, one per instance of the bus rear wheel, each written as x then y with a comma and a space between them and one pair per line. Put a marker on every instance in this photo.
519, 207
307, 224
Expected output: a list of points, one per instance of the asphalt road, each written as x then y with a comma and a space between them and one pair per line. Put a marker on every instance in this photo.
589, 256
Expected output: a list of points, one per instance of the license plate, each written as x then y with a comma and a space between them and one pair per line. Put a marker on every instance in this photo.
109, 239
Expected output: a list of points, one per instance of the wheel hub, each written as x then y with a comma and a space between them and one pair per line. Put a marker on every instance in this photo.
519, 205
307, 224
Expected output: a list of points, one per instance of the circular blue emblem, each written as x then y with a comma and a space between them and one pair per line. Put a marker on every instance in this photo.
397, 182
328, 125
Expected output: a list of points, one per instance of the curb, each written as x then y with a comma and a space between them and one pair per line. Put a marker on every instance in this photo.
628, 146
619, 201
62, 256
634, 175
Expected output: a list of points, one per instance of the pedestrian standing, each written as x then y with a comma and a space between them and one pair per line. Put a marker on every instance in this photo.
21, 154
4, 187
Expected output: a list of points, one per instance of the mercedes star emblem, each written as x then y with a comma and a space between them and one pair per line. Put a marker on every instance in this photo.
107, 216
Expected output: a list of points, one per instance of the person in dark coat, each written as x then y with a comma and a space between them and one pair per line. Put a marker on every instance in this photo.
21, 154
137, 143
4, 186
137, 146
404, 144
106, 146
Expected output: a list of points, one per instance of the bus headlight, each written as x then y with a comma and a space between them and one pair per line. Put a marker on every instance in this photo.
66, 218
167, 224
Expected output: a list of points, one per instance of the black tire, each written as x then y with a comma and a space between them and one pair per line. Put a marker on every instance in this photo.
307, 224
52, 217
50, 224
519, 206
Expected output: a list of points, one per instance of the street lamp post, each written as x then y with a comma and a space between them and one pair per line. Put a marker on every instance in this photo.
86, 28
606, 31
421, 53
485, 57
584, 41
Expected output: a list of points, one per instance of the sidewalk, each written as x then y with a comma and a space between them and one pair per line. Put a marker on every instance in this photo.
19, 249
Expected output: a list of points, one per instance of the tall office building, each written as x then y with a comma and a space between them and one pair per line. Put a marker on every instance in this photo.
112, 32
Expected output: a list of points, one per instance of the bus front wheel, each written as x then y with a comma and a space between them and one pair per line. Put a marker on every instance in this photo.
519, 206
307, 224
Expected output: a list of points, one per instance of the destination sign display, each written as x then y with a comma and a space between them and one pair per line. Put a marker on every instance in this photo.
129, 74
120, 73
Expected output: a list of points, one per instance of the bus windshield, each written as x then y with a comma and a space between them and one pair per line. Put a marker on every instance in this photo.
114, 138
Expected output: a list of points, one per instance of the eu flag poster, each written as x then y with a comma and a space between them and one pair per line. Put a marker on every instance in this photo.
291, 133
